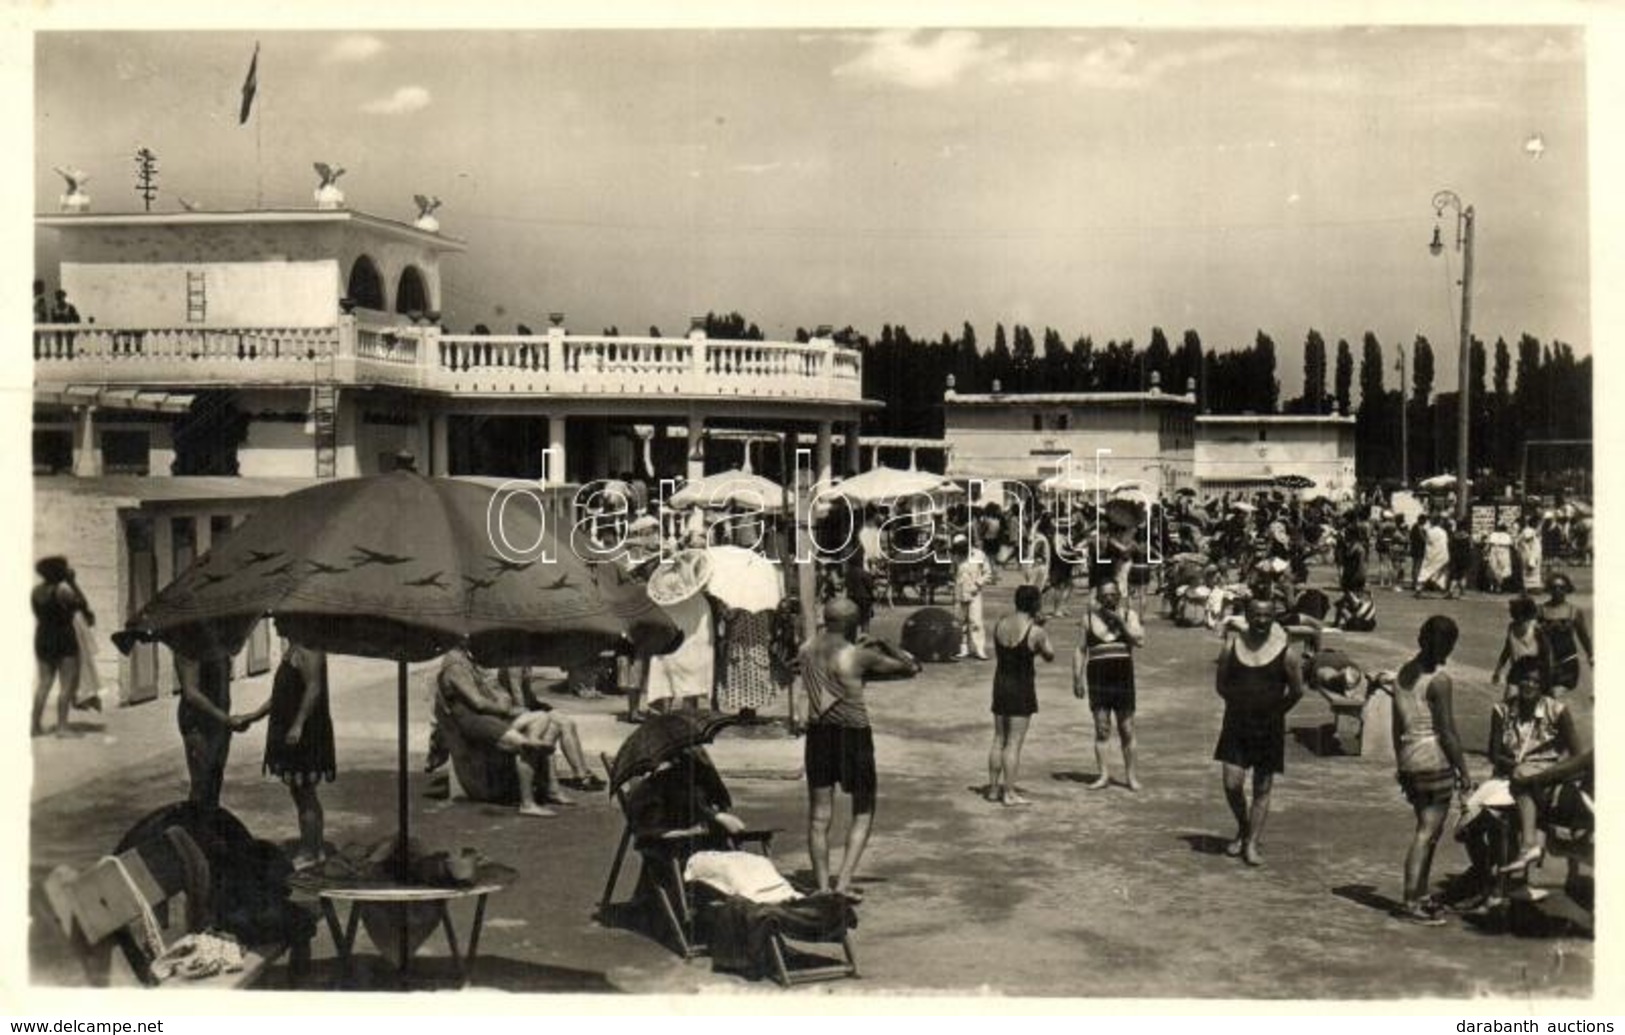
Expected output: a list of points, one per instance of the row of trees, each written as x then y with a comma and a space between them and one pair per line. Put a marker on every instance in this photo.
1532, 390
1537, 390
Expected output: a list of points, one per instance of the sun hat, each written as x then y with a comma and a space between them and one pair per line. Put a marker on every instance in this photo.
679, 578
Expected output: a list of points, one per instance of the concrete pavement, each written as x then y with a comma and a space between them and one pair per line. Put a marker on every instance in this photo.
1095, 894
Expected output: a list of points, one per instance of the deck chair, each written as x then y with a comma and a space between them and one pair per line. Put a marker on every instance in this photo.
761, 928
110, 905
1570, 828
662, 852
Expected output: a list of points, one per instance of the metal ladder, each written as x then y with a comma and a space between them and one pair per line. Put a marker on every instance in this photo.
197, 296
325, 403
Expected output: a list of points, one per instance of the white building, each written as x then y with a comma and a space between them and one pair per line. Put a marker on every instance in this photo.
1248, 452
316, 333
278, 347
1147, 437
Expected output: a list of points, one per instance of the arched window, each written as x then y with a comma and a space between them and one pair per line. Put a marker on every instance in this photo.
366, 288
411, 296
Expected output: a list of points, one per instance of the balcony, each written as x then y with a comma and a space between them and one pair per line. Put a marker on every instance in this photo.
424, 359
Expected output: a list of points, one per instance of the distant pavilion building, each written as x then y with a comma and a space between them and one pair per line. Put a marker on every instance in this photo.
1146, 437
1249, 452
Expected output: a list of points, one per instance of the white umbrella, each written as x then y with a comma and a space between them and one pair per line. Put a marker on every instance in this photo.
730, 488
1137, 495
1067, 483
1438, 481
888, 483
743, 578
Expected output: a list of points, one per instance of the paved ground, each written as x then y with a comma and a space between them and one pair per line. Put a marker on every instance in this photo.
1100, 894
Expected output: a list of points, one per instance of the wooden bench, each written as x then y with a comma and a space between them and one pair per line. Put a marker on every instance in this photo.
103, 907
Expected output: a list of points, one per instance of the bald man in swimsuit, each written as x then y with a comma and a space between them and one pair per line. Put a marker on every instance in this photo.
835, 667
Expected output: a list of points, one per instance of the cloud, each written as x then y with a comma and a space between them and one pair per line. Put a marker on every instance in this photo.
404, 100
351, 49
905, 57
920, 61
1529, 48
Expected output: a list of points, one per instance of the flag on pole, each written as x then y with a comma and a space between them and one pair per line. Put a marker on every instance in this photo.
250, 85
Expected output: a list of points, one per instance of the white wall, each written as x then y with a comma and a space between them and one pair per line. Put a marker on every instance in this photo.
84, 528
238, 294
277, 450
999, 442
1229, 450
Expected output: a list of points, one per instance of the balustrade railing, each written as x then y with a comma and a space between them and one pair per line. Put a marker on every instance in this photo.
387, 345
481, 352
550, 362
114, 345
653, 356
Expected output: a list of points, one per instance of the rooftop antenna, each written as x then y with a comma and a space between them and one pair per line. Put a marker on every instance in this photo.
146, 176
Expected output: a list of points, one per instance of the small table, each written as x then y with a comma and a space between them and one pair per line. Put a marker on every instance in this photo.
402, 897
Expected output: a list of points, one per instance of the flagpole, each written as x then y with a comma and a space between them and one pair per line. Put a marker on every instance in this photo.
259, 123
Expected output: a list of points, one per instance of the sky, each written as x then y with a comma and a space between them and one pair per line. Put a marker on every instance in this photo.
1096, 180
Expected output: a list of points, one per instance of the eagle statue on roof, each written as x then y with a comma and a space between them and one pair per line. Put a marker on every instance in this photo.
328, 195
426, 205
75, 200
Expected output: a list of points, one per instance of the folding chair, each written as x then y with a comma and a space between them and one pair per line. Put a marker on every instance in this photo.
123, 900
662, 852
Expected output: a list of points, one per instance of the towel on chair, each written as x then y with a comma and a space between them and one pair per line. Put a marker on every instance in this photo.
746, 875
741, 931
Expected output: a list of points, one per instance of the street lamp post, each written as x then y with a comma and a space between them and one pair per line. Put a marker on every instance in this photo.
1404, 421
1464, 243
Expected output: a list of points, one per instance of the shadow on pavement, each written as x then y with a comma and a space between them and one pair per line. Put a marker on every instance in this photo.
1320, 741
1073, 776
1206, 844
1366, 895
371, 973
632, 916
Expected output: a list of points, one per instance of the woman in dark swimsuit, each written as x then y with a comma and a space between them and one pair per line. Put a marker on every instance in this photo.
1017, 638
299, 741
56, 646
1260, 678
1567, 632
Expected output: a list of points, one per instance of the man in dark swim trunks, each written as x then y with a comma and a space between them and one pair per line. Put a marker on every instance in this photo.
840, 746
1260, 678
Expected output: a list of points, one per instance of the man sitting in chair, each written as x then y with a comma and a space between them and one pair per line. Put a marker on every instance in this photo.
685, 795
487, 713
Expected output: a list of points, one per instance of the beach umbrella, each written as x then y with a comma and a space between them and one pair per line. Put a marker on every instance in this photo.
402, 567
883, 484
729, 489
660, 739
743, 579
1075, 482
